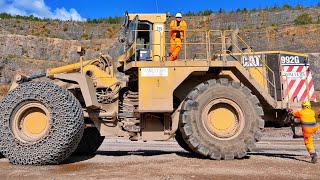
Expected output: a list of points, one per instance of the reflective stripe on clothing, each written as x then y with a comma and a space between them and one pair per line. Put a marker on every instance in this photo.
309, 124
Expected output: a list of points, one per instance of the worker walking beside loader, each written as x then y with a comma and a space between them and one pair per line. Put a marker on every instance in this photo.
177, 29
309, 127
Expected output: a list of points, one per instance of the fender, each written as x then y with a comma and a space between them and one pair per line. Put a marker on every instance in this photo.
86, 86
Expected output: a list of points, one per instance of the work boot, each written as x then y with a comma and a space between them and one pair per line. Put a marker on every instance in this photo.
297, 136
314, 158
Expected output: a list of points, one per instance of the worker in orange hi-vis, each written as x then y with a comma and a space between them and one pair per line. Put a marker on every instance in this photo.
177, 30
309, 127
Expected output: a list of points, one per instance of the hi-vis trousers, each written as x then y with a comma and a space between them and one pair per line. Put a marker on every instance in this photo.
307, 132
175, 47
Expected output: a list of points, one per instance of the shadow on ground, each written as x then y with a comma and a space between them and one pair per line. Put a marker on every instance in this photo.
279, 155
144, 153
75, 158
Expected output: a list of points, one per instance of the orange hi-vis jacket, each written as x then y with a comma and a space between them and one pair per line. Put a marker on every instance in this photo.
307, 117
309, 127
174, 29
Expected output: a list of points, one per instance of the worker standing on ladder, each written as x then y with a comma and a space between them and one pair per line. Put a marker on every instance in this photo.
309, 127
177, 29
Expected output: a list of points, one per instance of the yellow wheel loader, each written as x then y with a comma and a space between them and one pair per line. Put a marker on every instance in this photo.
214, 99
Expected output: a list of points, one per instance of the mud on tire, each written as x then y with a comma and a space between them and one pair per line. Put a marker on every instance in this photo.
65, 124
241, 137
90, 142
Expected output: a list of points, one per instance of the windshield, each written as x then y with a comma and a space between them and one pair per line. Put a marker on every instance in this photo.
131, 31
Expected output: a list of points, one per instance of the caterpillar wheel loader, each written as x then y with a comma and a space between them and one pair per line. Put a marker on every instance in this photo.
214, 100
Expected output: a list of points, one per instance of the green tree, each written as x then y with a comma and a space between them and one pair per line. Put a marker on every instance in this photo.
298, 6
275, 6
200, 13
207, 12
5, 16
302, 19
189, 13
222, 10
286, 6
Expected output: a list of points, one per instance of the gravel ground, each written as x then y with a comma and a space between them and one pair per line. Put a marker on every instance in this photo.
284, 132
275, 157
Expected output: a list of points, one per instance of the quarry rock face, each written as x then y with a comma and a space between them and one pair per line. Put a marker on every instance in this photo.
259, 19
30, 47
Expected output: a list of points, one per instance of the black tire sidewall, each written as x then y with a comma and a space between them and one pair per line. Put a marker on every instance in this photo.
90, 142
182, 142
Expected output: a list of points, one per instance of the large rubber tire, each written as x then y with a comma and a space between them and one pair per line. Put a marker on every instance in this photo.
90, 142
182, 142
65, 127
208, 144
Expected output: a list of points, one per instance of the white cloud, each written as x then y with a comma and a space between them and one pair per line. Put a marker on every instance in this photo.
63, 14
39, 9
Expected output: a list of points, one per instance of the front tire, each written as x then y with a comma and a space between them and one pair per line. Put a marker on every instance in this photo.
90, 142
40, 123
221, 119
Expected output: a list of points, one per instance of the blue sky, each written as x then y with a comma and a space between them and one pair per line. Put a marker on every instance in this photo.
82, 9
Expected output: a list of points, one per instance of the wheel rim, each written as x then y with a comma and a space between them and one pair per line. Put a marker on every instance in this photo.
223, 119
31, 122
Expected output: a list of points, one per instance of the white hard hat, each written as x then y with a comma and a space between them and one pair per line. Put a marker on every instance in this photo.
178, 15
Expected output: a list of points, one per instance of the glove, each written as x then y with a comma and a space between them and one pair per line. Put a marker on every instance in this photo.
289, 110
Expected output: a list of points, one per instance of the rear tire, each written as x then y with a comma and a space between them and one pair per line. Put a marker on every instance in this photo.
221, 119
40, 123
90, 142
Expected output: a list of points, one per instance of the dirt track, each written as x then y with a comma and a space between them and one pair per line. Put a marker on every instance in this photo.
280, 158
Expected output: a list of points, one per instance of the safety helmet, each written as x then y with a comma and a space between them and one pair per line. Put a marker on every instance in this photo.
178, 15
306, 104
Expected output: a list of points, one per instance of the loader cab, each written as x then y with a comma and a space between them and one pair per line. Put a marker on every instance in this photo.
143, 37
139, 35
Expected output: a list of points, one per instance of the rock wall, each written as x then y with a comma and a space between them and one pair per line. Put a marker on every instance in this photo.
31, 46
59, 29
315, 69
259, 19
51, 49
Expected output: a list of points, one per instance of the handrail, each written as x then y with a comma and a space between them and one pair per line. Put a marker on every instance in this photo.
255, 64
219, 41
273, 75
245, 54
